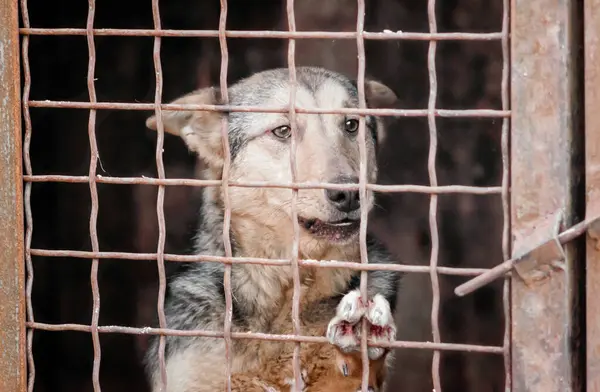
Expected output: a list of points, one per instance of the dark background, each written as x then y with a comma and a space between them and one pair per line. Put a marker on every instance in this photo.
470, 226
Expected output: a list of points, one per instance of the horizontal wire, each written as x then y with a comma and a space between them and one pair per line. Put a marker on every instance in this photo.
449, 113
256, 260
385, 35
263, 184
258, 336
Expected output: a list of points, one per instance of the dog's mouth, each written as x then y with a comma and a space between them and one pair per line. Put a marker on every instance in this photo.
337, 231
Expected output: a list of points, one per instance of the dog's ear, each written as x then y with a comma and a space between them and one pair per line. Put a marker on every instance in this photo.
200, 130
378, 95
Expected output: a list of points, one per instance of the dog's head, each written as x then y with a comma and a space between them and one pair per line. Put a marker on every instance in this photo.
327, 147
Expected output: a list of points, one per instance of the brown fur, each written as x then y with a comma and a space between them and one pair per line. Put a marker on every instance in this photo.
323, 372
321, 363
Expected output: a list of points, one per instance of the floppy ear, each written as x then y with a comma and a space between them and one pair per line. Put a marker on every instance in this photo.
379, 96
200, 130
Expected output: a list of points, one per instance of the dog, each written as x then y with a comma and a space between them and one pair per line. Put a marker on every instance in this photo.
261, 225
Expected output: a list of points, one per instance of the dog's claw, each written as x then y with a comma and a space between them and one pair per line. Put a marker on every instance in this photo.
345, 370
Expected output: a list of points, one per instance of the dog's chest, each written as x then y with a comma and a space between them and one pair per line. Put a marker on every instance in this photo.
322, 283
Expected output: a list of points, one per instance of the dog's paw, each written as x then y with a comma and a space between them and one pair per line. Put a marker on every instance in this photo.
382, 328
341, 330
345, 329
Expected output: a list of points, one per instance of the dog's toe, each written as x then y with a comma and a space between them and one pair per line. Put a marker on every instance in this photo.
342, 334
382, 328
351, 308
379, 312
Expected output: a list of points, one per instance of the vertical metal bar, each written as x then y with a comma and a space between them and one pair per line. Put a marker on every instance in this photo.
362, 180
544, 144
12, 266
160, 198
433, 226
291, 17
94, 156
506, 192
592, 181
27, 196
225, 186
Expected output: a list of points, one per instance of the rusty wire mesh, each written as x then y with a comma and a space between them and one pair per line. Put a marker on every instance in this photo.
431, 113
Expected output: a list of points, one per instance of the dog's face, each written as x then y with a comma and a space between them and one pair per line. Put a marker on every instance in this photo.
327, 148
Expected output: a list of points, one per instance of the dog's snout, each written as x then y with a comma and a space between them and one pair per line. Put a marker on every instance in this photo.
344, 200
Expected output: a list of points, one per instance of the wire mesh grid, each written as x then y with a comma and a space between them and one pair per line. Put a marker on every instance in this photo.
434, 190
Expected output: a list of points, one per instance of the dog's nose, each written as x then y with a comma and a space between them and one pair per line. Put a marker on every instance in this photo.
344, 200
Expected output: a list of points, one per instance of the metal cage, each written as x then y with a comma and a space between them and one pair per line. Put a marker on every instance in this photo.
548, 184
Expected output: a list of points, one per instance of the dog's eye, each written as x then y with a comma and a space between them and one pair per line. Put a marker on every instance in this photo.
282, 132
351, 126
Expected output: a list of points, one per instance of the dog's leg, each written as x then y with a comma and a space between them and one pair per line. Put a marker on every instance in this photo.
344, 330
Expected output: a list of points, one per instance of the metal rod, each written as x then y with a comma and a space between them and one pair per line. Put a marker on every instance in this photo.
502, 269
